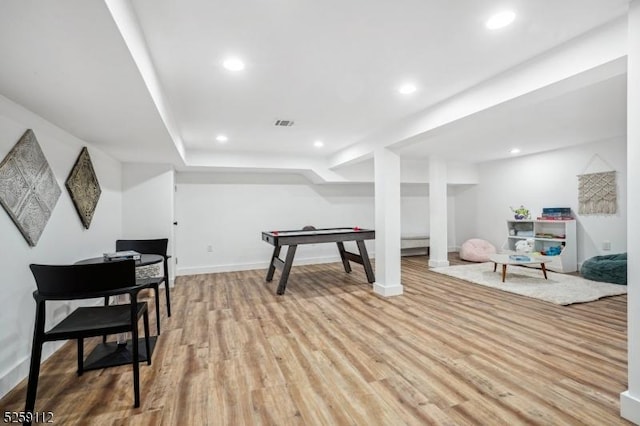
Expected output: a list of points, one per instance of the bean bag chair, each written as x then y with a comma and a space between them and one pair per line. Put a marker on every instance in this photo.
611, 268
476, 250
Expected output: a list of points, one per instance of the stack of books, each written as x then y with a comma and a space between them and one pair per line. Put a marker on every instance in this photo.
556, 213
122, 255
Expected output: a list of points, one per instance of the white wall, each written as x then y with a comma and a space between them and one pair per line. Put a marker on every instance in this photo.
414, 209
546, 180
462, 214
148, 203
64, 240
230, 211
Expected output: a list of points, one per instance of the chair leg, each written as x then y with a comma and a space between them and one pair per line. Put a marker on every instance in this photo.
136, 355
156, 289
165, 266
34, 374
166, 292
80, 356
36, 356
106, 303
146, 337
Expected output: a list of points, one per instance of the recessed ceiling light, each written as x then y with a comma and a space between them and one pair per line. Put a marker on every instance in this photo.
407, 89
500, 20
318, 144
515, 151
233, 64
222, 138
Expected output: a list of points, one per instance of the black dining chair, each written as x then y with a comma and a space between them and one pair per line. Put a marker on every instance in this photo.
152, 246
74, 282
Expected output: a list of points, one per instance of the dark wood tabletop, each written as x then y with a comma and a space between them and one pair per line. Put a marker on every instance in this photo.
145, 259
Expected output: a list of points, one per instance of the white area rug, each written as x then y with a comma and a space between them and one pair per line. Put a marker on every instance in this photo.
561, 289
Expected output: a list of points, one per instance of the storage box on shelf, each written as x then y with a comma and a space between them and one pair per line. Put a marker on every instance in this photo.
548, 236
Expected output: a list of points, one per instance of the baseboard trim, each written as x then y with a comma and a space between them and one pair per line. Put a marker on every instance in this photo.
388, 290
630, 407
20, 370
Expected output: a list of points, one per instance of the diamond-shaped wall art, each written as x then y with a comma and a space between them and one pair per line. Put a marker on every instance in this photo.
84, 188
28, 188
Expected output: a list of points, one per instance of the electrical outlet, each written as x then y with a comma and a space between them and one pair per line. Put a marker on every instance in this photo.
209, 248
606, 245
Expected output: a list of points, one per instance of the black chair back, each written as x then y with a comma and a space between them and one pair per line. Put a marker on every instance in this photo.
156, 246
152, 246
81, 281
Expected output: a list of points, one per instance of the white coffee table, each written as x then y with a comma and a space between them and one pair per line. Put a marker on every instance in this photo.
506, 259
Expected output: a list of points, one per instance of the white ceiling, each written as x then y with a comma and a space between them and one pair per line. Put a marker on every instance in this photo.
594, 113
332, 66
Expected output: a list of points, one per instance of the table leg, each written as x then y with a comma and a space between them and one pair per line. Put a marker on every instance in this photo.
504, 271
544, 270
291, 251
365, 261
495, 265
272, 265
345, 261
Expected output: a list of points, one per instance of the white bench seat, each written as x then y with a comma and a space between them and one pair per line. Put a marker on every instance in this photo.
414, 244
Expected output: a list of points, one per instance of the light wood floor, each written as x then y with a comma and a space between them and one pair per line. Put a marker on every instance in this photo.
331, 352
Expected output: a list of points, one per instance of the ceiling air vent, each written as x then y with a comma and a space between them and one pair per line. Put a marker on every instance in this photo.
284, 123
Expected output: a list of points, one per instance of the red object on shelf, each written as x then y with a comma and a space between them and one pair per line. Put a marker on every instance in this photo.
274, 232
356, 228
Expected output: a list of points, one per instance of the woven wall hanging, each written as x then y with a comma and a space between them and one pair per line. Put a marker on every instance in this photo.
597, 193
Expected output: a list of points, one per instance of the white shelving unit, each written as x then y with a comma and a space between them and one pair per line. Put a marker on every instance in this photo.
546, 234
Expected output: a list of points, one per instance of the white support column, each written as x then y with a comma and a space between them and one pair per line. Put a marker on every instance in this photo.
630, 399
387, 204
438, 213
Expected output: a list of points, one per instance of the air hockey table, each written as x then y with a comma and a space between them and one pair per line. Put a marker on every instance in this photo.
293, 239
